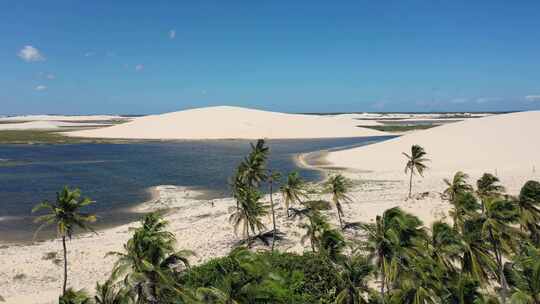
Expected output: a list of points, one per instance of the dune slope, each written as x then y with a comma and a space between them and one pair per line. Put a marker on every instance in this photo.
492, 144
230, 123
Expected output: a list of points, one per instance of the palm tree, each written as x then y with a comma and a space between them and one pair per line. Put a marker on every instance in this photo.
390, 243
497, 228
476, 259
148, 259
339, 186
488, 186
65, 214
293, 190
446, 245
524, 276
249, 213
254, 168
315, 227
456, 186
529, 210
273, 177
355, 273
71, 296
415, 162
464, 289
465, 206
111, 293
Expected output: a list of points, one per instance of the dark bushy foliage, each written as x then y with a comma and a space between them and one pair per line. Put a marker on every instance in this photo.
308, 278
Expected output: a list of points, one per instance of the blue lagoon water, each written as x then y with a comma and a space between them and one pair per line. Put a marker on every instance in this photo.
118, 176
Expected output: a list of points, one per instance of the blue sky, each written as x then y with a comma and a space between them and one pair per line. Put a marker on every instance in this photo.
135, 57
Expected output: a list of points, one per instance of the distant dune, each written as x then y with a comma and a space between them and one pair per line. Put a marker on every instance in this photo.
45, 125
497, 143
226, 122
62, 118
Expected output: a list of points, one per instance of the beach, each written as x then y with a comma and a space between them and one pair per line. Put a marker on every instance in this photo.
26, 276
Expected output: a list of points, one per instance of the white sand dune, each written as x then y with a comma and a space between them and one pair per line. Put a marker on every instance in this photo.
226, 122
495, 144
45, 125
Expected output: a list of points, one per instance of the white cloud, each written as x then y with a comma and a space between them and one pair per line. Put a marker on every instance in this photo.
532, 97
29, 54
139, 67
172, 34
50, 76
89, 54
459, 100
41, 88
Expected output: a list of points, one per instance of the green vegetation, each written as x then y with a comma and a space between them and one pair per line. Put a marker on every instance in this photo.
43, 137
34, 137
65, 214
399, 128
416, 162
491, 253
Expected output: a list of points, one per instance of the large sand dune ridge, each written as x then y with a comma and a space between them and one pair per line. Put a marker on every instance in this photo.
226, 122
492, 144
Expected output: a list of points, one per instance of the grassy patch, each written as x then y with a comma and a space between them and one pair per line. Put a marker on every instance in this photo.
45, 137
398, 128
33, 137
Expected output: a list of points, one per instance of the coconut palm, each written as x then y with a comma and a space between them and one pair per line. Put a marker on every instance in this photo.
488, 186
249, 213
464, 289
254, 165
390, 242
416, 162
524, 276
446, 245
149, 260
476, 259
71, 296
339, 186
331, 244
465, 206
315, 227
111, 293
293, 190
273, 177
456, 186
355, 273
529, 209
66, 216
419, 283
497, 221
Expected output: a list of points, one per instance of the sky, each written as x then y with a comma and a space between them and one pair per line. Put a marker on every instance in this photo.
143, 57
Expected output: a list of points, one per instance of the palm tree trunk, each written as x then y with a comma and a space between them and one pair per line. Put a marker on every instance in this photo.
273, 217
382, 286
340, 221
502, 278
312, 238
410, 184
65, 265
